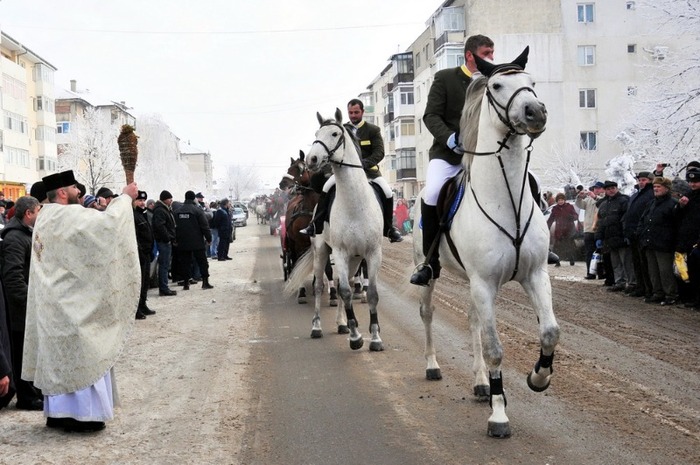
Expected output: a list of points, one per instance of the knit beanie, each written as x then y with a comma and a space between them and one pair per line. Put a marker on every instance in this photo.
189, 195
165, 195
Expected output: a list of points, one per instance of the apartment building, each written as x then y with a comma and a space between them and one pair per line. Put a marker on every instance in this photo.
200, 168
28, 130
588, 58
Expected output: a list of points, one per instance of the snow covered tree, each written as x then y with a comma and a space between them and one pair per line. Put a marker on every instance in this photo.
665, 120
159, 164
92, 151
242, 181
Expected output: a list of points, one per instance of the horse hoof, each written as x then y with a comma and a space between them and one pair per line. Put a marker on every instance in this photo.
316, 334
433, 374
499, 430
356, 344
343, 329
333, 303
535, 387
375, 346
482, 392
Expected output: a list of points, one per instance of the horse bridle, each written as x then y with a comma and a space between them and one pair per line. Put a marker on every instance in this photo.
518, 238
341, 142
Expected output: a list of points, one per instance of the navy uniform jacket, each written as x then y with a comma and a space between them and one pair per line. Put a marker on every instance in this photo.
444, 110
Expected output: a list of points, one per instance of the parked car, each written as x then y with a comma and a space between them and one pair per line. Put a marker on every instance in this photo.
239, 217
236, 204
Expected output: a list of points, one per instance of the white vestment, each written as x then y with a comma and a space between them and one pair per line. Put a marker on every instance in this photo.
84, 285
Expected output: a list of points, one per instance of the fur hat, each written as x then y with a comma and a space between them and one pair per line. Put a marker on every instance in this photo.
607, 184
663, 181
142, 196
645, 174
165, 195
189, 195
38, 191
560, 196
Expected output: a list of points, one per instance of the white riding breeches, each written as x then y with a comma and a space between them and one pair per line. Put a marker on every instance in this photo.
380, 181
439, 171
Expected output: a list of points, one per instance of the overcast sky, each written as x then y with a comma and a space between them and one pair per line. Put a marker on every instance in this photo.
240, 79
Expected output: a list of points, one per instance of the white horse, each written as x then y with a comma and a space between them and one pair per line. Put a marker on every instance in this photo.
498, 232
354, 230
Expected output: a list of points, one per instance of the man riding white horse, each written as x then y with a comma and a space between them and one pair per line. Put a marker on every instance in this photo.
371, 146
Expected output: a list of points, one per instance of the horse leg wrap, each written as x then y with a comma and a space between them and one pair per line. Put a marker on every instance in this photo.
496, 389
545, 361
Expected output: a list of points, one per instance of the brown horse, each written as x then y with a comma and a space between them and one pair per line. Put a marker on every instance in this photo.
300, 210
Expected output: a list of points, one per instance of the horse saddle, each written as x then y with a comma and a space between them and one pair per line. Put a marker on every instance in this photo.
450, 198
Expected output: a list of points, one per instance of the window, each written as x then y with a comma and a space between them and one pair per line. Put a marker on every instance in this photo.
408, 129
46, 133
63, 127
43, 73
450, 57
585, 12
586, 55
586, 98
18, 157
589, 140
44, 104
449, 19
407, 98
417, 59
15, 122
631, 48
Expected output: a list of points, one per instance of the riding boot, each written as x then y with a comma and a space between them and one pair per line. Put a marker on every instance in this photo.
316, 224
430, 269
389, 230
205, 283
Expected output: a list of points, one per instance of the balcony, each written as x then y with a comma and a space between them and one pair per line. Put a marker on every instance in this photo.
449, 37
389, 117
402, 78
406, 174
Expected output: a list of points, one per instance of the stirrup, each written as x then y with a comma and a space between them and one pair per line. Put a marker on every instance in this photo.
422, 275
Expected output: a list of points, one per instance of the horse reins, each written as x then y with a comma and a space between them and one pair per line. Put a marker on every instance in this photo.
517, 240
341, 142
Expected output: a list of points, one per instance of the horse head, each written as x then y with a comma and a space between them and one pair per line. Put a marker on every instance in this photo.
511, 94
297, 174
329, 145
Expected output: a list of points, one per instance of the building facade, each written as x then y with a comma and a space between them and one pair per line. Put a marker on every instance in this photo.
28, 130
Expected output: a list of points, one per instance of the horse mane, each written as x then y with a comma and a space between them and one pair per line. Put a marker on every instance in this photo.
469, 123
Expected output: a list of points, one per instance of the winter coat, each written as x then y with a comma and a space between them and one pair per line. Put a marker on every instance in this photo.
565, 217
192, 227
657, 227
609, 225
144, 232
5, 353
163, 223
638, 203
369, 138
15, 254
688, 218
222, 223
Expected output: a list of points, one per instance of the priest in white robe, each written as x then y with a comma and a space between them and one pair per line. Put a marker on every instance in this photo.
84, 287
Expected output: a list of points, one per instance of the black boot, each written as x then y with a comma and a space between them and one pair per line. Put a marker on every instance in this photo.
205, 283
389, 230
316, 224
430, 269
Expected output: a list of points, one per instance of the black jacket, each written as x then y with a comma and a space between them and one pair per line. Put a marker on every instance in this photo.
657, 228
163, 223
638, 203
369, 137
609, 225
222, 223
444, 110
15, 254
5, 353
144, 231
192, 227
688, 223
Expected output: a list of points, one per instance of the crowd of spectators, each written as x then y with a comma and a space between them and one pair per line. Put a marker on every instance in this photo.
648, 241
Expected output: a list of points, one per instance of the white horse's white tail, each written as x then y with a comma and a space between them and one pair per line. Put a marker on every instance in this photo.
302, 269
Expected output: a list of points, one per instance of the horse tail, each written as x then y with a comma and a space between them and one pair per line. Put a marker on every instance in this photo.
302, 269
